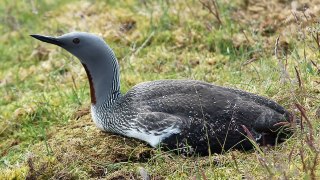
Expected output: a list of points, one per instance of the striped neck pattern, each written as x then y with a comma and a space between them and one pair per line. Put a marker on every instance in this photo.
115, 87
103, 76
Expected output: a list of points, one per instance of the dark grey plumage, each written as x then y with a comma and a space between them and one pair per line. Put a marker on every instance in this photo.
207, 115
186, 115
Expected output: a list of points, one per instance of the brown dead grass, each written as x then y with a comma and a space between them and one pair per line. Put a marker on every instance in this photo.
81, 148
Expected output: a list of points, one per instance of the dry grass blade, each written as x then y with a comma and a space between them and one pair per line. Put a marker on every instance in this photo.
290, 154
282, 68
294, 14
304, 166
314, 166
304, 114
298, 76
249, 61
310, 138
204, 177
265, 165
235, 162
284, 123
316, 39
249, 134
143, 173
315, 65
276, 47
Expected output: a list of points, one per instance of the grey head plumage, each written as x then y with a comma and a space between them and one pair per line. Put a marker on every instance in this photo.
97, 58
183, 114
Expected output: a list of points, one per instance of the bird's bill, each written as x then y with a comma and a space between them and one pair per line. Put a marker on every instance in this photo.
47, 39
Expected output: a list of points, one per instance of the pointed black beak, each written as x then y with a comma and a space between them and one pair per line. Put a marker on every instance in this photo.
48, 39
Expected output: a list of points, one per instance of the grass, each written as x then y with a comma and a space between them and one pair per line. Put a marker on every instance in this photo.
46, 131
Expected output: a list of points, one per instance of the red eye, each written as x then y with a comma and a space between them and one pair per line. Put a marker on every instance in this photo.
76, 40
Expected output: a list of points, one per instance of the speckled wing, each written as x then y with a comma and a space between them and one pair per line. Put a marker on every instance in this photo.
186, 98
201, 109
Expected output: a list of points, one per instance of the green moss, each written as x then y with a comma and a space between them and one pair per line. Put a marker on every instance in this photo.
17, 173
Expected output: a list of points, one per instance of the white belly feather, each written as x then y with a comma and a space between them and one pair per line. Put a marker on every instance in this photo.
150, 136
96, 120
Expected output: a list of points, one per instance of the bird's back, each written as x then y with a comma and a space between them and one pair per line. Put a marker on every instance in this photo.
203, 113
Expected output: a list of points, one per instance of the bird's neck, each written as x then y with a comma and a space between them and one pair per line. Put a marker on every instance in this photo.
104, 81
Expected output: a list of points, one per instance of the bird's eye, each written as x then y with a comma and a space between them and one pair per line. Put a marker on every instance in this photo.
76, 40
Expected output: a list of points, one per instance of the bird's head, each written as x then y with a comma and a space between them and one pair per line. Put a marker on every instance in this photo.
85, 46
96, 57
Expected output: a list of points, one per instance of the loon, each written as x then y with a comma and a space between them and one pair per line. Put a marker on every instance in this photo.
185, 116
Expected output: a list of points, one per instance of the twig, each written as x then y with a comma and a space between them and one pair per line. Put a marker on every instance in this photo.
315, 65
191, 10
212, 8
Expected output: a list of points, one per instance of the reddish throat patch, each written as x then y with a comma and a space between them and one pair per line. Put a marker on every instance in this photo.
92, 91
